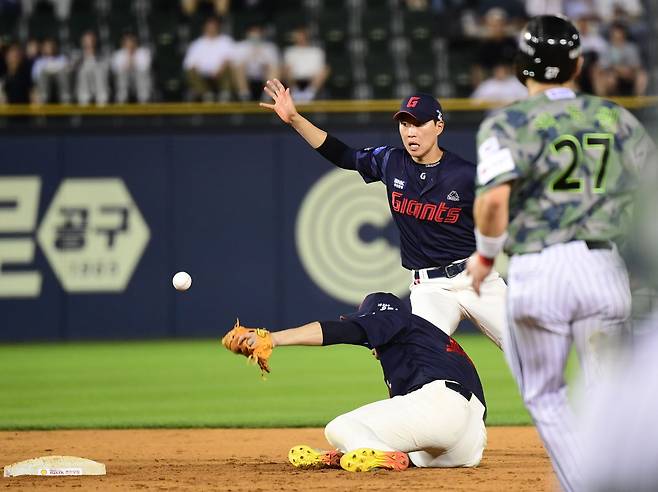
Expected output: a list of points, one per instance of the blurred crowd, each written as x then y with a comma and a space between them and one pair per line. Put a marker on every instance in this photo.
611, 34
215, 66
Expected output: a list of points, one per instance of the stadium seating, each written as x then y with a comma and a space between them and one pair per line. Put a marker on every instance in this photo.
43, 23
375, 48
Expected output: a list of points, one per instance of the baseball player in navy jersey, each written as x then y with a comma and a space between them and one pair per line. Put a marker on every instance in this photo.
556, 176
430, 193
436, 410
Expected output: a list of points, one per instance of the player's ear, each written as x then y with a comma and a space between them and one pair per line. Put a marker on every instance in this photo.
439, 127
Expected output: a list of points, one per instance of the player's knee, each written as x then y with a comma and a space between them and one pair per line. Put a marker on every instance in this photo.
337, 432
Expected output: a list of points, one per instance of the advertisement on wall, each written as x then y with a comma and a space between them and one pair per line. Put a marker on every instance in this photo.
92, 228
92, 235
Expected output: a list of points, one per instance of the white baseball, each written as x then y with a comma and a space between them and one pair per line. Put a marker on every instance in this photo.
182, 281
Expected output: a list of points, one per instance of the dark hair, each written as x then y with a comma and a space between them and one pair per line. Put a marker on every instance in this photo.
213, 18
620, 26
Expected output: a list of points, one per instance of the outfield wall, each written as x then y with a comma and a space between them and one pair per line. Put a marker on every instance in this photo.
92, 228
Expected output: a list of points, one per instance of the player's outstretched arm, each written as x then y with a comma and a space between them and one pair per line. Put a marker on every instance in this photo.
309, 334
284, 107
314, 333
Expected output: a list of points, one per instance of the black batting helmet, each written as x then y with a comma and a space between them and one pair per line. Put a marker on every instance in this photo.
549, 48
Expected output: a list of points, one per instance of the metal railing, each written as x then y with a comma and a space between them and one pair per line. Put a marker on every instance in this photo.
337, 106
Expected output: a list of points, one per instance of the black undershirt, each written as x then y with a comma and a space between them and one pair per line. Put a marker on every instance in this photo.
335, 332
337, 152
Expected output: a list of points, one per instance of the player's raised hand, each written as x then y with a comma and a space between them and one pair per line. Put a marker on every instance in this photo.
283, 105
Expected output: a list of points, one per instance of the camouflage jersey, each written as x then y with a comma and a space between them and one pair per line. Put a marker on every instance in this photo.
573, 160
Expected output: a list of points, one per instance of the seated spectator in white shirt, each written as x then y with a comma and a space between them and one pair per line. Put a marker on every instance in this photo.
51, 71
209, 63
132, 70
91, 72
305, 69
258, 61
502, 86
623, 66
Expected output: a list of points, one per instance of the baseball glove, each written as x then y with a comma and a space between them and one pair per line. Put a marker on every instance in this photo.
253, 343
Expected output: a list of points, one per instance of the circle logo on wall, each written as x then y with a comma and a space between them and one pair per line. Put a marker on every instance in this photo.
330, 245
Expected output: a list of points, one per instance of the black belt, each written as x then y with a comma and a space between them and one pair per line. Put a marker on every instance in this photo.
447, 271
450, 385
459, 389
598, 244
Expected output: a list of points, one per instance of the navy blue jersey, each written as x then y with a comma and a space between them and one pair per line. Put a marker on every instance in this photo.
414, 352
432, 206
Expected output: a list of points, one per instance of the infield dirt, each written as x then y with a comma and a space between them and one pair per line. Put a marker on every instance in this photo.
256, 459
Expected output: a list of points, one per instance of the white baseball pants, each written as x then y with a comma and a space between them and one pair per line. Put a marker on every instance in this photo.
444, 302
565, 294
437, 426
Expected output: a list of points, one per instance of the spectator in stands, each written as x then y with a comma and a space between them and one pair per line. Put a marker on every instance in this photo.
32, 52
91, 72
543, 7
257, 60
622, 65
514, 9
615, 10
16, 82
575, 9
502, 86
209, 65
606, 10
305, 69
216, 7
51, 70
591, 40
417, 5
594, 46
3, 67
62, 7
496, 45
132, 70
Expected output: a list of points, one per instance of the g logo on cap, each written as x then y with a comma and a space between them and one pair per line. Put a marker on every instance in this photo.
413, 101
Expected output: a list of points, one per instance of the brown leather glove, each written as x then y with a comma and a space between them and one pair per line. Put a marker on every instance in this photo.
253, 343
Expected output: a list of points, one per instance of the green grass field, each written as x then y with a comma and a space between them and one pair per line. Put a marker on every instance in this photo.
199, 384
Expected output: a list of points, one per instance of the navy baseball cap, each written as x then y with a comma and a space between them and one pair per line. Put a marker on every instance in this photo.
421, 107
378, 301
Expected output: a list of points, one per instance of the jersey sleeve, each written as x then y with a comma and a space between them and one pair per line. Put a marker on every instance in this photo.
371, 163
638, 148
382, 327
497, 163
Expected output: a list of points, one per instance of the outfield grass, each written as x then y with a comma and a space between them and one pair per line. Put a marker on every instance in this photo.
199, 384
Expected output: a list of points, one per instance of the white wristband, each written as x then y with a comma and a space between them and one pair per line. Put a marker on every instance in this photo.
487, 246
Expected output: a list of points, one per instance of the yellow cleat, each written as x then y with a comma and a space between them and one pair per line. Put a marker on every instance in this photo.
366, 459
303, 456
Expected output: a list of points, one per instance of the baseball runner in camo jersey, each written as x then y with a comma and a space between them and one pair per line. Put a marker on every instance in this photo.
556, 174
430, 192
